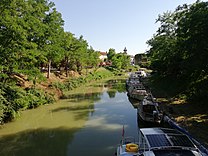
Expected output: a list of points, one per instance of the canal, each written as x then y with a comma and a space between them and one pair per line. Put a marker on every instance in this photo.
87, 122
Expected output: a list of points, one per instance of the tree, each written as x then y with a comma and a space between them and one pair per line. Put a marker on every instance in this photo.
179, 49
81, 54
92, 57
53, 37
27, 28
192, 40
163, 47
111, 53
18, 51
68, 49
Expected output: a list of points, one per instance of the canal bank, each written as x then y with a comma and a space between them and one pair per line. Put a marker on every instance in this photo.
90, 121
193, 116
31, 94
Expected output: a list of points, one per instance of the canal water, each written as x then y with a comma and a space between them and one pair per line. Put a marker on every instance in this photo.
87, 122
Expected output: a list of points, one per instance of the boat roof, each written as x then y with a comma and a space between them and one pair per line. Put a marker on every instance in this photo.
148, 102
166, 138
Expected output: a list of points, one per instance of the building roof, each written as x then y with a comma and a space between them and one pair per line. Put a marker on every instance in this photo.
103, 53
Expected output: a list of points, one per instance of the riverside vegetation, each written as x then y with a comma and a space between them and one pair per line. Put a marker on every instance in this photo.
15, 98
33, 41
178, 55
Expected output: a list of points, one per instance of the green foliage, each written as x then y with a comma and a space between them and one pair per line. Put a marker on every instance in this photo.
31, 37
14, 98
179, 50
76, 82
21, 26
119, 60
77, 55
111, 53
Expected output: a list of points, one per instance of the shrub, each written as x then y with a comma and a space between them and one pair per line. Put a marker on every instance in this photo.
14, 98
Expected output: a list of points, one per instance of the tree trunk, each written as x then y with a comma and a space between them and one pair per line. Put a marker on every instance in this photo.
66, 67
49, 69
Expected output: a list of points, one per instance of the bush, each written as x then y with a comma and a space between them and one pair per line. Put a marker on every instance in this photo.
14, 98
76, 82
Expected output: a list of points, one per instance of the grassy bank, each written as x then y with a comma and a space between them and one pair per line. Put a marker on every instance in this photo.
75, 82
191, 115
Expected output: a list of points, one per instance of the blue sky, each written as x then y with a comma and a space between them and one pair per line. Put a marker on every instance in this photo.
115, 24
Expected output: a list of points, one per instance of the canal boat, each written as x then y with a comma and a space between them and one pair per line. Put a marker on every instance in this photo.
137, 91
159, 142
141, 73
165, 142
148, 110
131, 81
128, 147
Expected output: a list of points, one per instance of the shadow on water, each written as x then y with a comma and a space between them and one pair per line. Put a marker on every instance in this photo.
38, 142
43, 141
49, 130
77, 97
52, 130
80, 112
135, 103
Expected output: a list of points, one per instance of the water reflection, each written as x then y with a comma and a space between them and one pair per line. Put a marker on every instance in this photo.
135, 103
38, 142
87, 121
103, 130
77, 97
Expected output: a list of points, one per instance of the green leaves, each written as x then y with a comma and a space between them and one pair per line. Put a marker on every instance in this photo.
31, 37
119, 60
20, 28
179, 49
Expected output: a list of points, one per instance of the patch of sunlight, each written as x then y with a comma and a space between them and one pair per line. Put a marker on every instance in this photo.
180, 118
102, 124
198, 118
178, 101
162, 100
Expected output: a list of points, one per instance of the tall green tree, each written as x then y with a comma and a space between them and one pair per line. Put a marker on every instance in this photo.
119, 60
27, 28
81, 54
68, 45
53, 37
192, 40
92, 57
111, 53
179, 50
17, 49
163, 47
